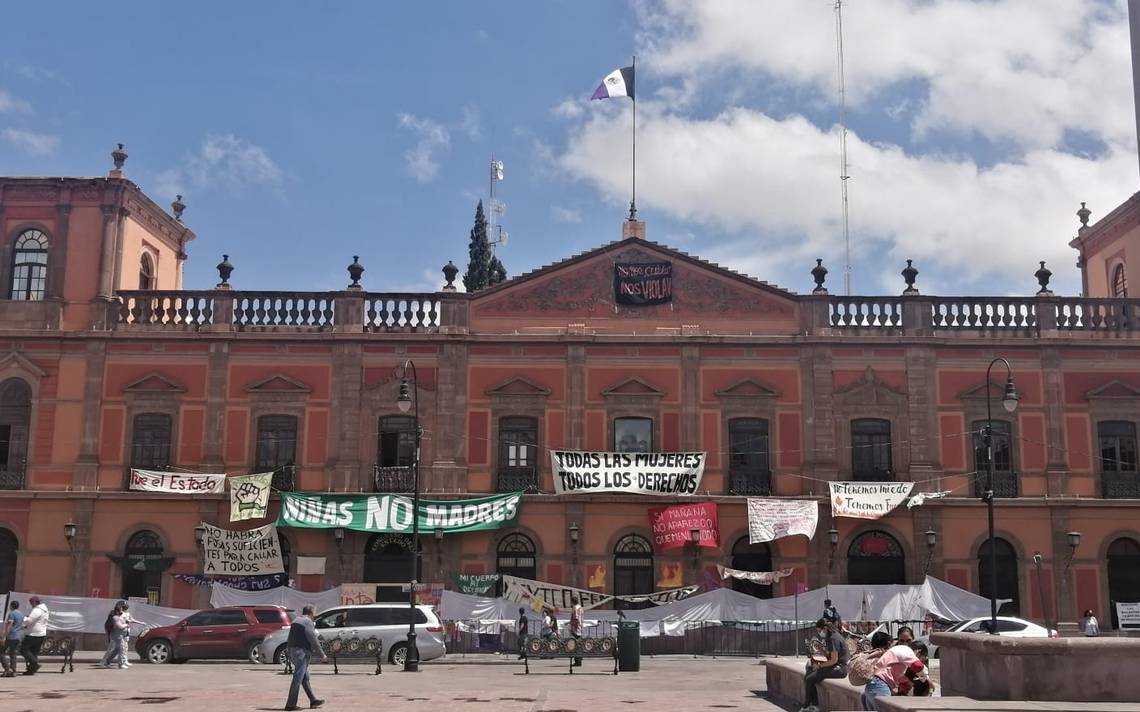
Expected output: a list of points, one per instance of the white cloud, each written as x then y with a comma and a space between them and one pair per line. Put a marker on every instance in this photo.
772, 186
33, 142
12, 104
420, 160
570, 108
566, 215
469, 123
1018, 70
225, 161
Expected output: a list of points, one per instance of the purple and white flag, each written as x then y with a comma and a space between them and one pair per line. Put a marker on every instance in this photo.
617, 83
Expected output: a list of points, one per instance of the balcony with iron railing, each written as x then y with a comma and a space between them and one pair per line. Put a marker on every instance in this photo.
517, 479
13, 477
757, 483
1005, 484
394, 479
1120, 485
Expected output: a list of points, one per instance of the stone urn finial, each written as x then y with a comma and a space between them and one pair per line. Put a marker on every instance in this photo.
819, 273
909, 274
225, 269
119, 156
1043, 274
1083, 215
449, 273
178, 206
354, 271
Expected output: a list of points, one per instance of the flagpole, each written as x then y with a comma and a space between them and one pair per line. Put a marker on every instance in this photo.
633, 197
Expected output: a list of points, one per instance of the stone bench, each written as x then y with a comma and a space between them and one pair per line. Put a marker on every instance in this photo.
966, 704
785, 680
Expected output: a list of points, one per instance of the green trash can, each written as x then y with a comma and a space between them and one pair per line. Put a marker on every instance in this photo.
629, 646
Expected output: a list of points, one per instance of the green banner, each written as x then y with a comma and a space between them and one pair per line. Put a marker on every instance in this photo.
475, 584
392, 513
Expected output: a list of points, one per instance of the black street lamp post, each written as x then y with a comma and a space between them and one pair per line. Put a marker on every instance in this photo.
405, 402
1009, 402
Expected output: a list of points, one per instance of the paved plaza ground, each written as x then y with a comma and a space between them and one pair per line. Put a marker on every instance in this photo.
456, 684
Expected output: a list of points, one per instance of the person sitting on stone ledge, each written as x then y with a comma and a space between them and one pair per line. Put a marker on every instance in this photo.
830, 663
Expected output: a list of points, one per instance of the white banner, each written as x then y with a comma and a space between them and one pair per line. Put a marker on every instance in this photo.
310, 566
176, 482
655, 473
246, 553
222, 596
771, 519
1128, 615
539, 594
249, 496
919, 499
867, 500
764, 578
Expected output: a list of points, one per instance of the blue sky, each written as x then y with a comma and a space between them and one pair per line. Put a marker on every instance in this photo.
301, 134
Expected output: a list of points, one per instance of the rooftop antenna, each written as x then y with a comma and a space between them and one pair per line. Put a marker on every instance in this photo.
496, 207
843, 146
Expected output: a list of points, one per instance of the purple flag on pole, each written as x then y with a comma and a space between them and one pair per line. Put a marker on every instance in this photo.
617, 83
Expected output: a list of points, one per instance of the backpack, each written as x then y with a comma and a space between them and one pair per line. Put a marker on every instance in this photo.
860, 669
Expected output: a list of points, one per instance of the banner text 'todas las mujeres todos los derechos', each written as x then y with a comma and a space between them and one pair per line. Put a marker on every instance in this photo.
658, 473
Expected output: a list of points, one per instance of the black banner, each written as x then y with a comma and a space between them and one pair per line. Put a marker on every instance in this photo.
643, 283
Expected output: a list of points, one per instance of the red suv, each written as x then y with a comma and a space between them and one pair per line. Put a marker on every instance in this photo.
233, 632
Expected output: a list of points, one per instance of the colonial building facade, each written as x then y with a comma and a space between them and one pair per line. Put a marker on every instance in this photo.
107, 363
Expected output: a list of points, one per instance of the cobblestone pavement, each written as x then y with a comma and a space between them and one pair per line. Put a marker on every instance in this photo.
456, 684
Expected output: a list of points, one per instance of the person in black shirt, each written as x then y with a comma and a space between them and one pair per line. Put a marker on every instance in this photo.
301, 645
832, 664
524, 626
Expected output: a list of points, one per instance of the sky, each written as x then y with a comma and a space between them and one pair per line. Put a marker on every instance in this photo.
302, 134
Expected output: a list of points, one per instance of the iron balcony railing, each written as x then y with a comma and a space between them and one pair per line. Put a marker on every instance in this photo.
13, 478
517, 479
1120, 485
394, 479
750, 483
1005, 484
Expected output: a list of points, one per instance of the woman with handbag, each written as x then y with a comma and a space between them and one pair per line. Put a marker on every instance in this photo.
888, 672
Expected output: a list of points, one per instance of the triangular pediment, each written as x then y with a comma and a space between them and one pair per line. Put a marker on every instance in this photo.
277, 383
633, 387
1114, 389
518, 386
747, 388
868, 391
154, 383
979, 391
16, 361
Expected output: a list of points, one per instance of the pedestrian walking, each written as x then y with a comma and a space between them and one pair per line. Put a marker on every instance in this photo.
576, 624
1089, 624
123, 636
13, 635
112, 651
301, 645
35, 632
524, 628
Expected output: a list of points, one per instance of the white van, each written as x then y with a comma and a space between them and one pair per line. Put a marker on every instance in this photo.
387, 622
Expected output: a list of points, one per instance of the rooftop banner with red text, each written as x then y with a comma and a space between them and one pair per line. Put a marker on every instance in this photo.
673, 526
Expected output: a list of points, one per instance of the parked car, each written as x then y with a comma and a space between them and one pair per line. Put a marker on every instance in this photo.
231, 632
1012, 627
388, 622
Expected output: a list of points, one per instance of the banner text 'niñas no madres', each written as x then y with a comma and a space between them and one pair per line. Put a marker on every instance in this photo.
392, 514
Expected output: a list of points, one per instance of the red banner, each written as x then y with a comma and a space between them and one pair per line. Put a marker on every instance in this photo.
673, 526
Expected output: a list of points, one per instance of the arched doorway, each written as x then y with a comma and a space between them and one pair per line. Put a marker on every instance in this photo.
633, 569
9, 552
875, 558
142, 565
515, 556
751, 557
388, 560
1123, 574
15, 415
1007, 577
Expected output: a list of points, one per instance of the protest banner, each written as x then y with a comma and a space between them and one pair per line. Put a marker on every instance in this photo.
249, 496
673, 526
357, 594
1128, 615
241, 583
655, 473
867, 500
176, 482
597, 577
643, 283
538, 594
764, 578
475, 584
249, 552
771, 519
392, 513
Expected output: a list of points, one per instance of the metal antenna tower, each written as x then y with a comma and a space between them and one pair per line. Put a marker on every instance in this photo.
843, 177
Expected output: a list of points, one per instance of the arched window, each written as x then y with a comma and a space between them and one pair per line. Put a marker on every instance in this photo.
29, 266
1007, 577
1119, 282
142, 566
150, 441
388, 560
871, 450
518, 455
15, 416
1123, 574
9, 551
875, 558
633, 569
515, 556
751, 557
146, 272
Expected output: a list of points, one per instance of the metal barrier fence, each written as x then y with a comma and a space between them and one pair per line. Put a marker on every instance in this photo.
704, 638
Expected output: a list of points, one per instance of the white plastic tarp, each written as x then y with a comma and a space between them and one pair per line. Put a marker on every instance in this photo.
291, 598
74, 614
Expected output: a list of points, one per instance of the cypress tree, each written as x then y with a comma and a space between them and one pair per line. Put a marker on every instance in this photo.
483, 268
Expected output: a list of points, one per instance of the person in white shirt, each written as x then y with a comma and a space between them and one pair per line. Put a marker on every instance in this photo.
123, 633
1089, 625
35, 631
